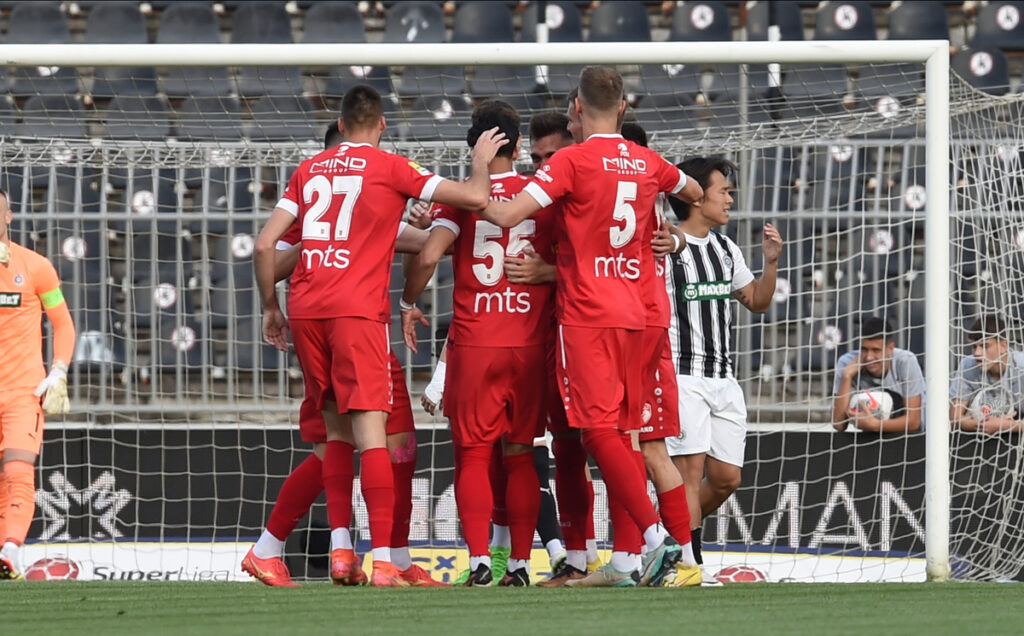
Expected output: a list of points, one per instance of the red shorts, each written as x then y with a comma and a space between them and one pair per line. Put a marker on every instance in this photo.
556, 418
345, 359
600, 374
493, 393
21, 421
311, 421
661, 406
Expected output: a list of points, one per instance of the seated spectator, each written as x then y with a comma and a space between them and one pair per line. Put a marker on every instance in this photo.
987, 393
878, 367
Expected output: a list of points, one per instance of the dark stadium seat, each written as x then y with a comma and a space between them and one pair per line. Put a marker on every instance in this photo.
619, 22
422, 22
284, 117
342, 22
223, 192
812, 89
915, 20
119, 23
564, 25
492, 22
210, 119
771, 178
179, 345
999, 25
52, 116
149, 197
820, 342
265, 23
836, 179
846, 20
784, 14
252, 353
985, 68
433, 118
665, 112
232, 283
40, 23
160, 270
183, 23
137, 117
8, 116
705, 21
685, 81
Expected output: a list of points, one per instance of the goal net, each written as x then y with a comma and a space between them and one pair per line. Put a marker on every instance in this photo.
184, 423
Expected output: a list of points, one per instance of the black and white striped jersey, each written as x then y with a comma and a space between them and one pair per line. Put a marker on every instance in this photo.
700, 283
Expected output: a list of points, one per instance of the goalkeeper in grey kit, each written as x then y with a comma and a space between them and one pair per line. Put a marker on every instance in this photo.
987, 392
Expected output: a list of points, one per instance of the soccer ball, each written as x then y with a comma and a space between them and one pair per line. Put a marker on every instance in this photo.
877, 403
58, 568
991, 401
740, 574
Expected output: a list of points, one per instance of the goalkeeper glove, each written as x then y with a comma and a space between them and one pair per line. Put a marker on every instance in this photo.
55, 388
5, 253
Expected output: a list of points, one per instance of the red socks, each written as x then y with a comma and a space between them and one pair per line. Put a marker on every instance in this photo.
474, 498
378, 486
675, 514
338, 472
620, 476
499, 484
298, 492
571, 491
523, 496
403, 473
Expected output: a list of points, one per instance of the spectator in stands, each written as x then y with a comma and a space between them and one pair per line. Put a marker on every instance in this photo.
987, 393
879, 365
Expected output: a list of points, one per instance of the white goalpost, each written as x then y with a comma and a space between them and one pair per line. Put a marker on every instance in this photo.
250, 400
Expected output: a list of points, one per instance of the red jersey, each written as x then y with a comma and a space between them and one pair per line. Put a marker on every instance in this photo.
349, 200
656, 302
488, 310
606, 187
294, 235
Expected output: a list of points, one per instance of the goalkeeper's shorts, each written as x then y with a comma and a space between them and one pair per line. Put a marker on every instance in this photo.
21, 421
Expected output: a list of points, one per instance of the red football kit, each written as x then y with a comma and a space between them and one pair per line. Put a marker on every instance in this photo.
348, 201
496, 356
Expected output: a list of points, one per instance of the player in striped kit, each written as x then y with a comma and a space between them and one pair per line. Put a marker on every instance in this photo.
702, 281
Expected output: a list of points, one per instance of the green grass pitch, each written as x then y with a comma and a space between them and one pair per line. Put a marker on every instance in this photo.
238, 608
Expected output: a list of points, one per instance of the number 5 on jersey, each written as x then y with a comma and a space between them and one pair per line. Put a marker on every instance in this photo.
318, 194
486, 246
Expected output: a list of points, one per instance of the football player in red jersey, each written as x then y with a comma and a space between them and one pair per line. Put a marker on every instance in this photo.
495, 344
605, 190
348, 200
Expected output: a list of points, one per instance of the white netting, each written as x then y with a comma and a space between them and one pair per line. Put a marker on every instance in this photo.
183, 423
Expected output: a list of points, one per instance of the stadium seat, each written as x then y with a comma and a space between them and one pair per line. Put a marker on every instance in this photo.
984, 68
284, 117
492, 22
160, 270
435, 117
137, 117
705, 21
40, 23
836, 179
771, 178
846, 20
619, 22
820, 342
264, 23
52, 116
665, 112
225, 191
232, 284
918, 21
564, 25
179, 345
119, 23
342, 22
184, 23
252, 353
422, 22
784, 14
149, 197
813, 89
999, 25
210, 119
8, 116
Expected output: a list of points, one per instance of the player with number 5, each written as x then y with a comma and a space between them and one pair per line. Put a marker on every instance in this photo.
349, 200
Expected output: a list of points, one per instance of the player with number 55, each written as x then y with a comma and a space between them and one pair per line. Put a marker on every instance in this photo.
28, 286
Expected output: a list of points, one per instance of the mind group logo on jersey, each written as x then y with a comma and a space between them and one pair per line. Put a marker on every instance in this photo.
624, 165
713, 290
339, 164
10, 300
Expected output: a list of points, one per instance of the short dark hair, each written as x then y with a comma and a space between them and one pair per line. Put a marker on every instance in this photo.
985, 327
491, 113
361, 107
333, 136
634, 132
573, 94
700, 169
874, 327
601, 88
549, 123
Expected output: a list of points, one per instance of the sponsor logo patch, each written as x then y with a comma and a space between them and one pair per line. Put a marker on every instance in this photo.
10, 300
712, 290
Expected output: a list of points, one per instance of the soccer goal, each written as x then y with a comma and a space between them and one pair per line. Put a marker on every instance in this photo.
896, 185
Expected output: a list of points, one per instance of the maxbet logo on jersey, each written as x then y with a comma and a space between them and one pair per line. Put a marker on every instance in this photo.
712, 290
10, 300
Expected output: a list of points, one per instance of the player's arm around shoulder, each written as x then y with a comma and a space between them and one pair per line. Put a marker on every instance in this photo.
757, 295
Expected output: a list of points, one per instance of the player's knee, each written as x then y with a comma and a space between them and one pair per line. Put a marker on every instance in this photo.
402, 447
725, 483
